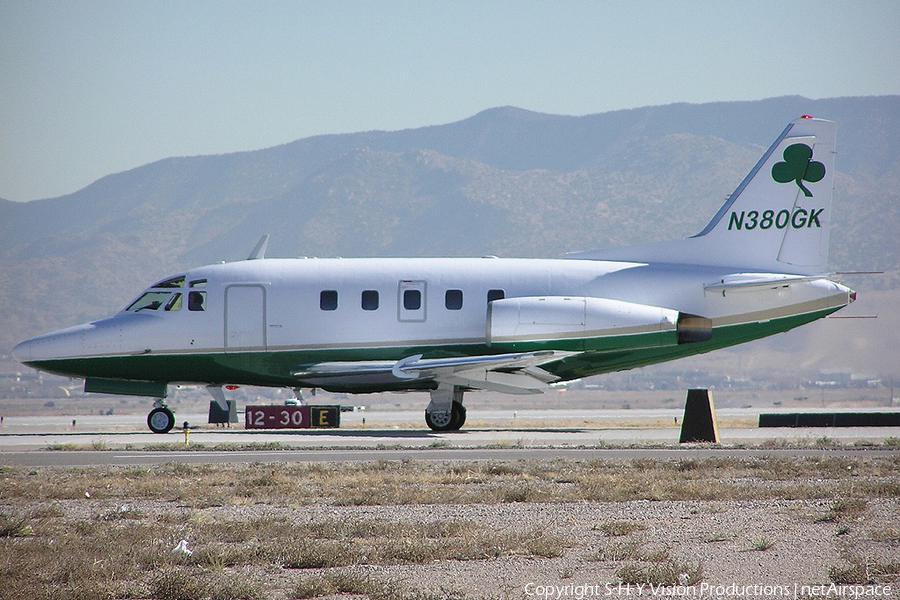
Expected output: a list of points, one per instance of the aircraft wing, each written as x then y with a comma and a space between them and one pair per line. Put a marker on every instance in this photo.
516, 373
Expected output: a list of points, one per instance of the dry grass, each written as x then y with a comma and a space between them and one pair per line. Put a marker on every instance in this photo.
96, 557
13, 526
844, 509
887, 535
619, 528
342, 543
129, 553
762, 544
343, 583
620, 551
666, 573
864, 570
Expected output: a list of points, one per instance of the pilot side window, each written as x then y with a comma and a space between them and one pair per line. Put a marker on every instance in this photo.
453, 299
175, 303
196, 301
412, 299
370, 300
495, 295
328, 300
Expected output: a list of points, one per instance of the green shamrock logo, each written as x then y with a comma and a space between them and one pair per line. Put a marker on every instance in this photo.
798, 167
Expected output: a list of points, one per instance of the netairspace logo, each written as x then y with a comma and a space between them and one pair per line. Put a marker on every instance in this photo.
709, 591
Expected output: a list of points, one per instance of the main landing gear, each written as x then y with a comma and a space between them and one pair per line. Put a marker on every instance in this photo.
161, 419
446, 412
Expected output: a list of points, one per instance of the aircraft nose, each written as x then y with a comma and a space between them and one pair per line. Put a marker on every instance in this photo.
24, 352
60, 344
45, 347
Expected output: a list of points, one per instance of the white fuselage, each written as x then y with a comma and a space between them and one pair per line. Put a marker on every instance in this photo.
276, 304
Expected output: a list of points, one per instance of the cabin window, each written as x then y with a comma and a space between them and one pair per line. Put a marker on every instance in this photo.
495, 295
174, 282
328, 300
149, 301
370, 300
198, 283
412, 299
175, 303
453, 299
197, 301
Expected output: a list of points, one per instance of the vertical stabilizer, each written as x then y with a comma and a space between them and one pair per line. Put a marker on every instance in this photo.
782, 209
777, 220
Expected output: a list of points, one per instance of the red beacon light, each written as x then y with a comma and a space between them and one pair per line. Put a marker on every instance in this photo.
806, 116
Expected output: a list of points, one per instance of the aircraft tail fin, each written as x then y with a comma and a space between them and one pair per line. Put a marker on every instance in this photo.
778, 219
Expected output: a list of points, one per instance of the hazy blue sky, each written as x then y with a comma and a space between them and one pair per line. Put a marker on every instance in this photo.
92, 88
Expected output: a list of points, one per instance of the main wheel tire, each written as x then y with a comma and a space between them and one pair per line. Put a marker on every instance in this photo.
444, 421
161, 420
439, 421
459, 416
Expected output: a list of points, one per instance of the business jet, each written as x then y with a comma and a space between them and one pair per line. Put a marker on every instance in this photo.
451, 325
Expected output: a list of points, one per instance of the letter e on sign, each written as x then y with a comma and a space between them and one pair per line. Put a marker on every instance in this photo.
325, 416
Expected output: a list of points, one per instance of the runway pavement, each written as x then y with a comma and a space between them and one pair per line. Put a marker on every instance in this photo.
88, 458
394, 435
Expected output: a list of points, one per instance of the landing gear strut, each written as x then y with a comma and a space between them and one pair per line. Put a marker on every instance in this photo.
161, 419
446, 412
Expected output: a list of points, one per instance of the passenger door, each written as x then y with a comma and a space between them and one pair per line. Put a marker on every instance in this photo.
245, 317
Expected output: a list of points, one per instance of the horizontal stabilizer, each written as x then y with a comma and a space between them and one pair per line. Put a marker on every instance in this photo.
751, 282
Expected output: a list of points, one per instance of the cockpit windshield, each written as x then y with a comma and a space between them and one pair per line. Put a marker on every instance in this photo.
174, 282
155, 301
163, 296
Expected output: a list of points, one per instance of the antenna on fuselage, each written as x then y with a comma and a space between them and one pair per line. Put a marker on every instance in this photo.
260, 250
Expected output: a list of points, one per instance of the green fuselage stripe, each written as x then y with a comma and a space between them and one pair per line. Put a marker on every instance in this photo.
275, 369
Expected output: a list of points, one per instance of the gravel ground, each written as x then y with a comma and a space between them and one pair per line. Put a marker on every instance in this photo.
583, 549
720, 537
747, 543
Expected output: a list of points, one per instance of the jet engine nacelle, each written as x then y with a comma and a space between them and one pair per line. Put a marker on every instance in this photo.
579, 322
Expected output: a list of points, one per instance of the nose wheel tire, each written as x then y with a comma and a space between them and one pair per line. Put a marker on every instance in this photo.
160, 420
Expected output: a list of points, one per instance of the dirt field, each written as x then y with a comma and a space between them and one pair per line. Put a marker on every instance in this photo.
716, 528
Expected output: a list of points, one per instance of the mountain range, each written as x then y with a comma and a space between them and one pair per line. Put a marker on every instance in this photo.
505, 182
